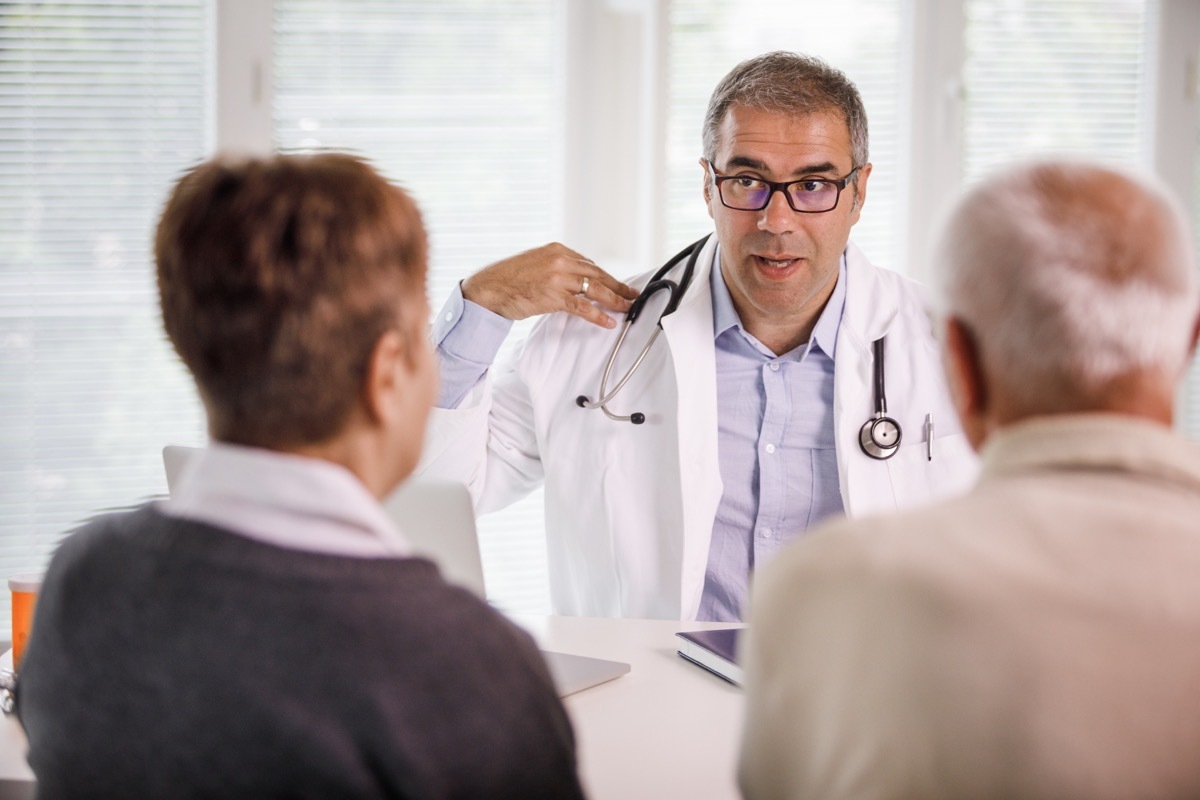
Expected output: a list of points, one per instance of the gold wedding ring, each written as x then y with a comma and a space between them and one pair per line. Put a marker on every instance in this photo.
583, 290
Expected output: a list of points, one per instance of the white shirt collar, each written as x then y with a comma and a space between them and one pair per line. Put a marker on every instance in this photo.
285, 500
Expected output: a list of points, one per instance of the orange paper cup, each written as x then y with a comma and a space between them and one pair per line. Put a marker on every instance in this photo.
24, 590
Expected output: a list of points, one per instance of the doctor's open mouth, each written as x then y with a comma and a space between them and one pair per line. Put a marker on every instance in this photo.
777, 266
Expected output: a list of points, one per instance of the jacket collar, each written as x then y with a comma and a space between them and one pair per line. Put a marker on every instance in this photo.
872, 302
1091, 441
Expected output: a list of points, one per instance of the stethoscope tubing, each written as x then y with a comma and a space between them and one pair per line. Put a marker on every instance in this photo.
656, 284
879, 437
605, 397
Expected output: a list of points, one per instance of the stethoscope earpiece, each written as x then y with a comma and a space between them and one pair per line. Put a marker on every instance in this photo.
637, 417
880, 436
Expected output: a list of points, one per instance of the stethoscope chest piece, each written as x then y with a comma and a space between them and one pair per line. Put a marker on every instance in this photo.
880, 435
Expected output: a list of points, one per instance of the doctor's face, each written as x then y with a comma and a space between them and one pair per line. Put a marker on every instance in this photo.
781, 265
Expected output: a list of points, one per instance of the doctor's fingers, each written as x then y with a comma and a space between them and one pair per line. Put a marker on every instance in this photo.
581, 275
610, 292
586, 295
538, 281
581, 307
598, 286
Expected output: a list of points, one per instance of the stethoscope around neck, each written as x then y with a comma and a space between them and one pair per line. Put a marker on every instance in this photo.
658, 283
879, 437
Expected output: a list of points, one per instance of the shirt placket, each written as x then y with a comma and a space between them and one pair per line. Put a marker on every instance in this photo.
774, 459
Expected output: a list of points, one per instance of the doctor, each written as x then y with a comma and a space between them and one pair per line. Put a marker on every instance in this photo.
755, 399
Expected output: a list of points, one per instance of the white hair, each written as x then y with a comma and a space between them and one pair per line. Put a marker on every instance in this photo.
1070, 275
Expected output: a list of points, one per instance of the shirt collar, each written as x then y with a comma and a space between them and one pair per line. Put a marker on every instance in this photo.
286, 500
1098, 441
724, 314
825, 332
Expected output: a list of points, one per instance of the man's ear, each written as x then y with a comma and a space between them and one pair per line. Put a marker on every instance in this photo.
860, 191
707, 188
966, 379
390, 361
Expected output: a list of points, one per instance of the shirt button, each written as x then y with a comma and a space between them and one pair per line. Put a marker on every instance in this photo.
766, 533
774, 366
449, 316
770, 448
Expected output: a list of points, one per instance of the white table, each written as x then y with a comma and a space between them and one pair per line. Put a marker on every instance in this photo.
667, 729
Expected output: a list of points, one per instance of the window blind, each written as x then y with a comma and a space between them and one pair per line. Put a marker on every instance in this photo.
1062, 76
1054, 75
456, 102
859, 37
102, 104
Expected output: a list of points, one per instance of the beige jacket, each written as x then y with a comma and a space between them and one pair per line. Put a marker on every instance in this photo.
1038, 637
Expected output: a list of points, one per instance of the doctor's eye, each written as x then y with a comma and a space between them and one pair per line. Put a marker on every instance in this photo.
747, 183
810, 187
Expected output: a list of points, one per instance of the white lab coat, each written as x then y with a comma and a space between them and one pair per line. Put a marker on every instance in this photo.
630, 509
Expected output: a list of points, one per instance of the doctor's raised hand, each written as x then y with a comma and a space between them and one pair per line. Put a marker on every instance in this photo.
549, 278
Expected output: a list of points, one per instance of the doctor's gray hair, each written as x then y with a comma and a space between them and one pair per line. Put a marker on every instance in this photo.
1070, 275
792, 84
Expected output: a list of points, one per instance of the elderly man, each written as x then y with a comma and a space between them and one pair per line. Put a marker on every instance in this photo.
1038, 637
266, 632
757, 413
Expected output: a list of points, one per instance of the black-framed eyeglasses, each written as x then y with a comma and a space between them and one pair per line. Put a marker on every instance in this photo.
807, 195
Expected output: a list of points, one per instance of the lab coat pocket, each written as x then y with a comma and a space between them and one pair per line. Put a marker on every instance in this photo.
917, 478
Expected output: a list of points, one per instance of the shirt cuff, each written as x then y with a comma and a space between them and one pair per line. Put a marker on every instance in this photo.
467, 337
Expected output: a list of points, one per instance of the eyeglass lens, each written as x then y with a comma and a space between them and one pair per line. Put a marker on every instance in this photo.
751, 195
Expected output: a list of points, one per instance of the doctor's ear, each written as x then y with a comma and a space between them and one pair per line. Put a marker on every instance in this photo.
706, 179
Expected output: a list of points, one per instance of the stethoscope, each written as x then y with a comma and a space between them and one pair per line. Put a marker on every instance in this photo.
675, 293
879, 436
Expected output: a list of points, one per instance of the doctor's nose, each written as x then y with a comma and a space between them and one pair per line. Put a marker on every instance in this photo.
778, 217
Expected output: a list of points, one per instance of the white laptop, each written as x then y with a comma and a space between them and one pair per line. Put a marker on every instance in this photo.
438, 519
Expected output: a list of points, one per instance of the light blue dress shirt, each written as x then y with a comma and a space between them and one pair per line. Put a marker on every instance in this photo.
775, 429
775, 446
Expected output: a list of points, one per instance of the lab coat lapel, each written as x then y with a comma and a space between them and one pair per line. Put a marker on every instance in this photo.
871, 307
689, 332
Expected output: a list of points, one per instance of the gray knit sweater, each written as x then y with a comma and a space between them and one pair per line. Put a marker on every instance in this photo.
173, 659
